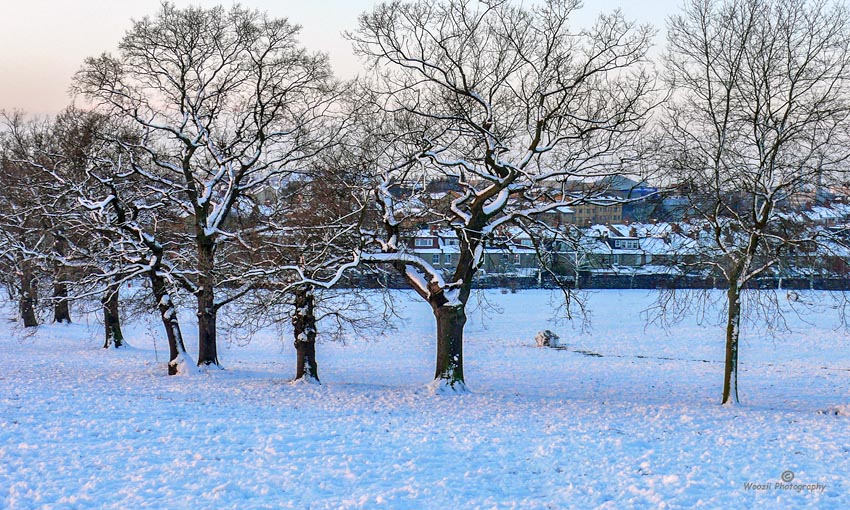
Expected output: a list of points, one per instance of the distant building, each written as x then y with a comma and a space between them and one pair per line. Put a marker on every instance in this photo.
511, 254
604, 210
444, 184
559, 216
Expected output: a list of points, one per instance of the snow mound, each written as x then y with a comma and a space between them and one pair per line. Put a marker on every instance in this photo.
546, 338
305, 381
186, 365
444, 387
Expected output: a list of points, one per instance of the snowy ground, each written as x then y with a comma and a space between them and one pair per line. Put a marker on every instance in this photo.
638, 427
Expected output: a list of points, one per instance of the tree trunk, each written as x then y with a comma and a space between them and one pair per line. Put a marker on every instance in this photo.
733, 330
168, 314
304, 325
113, 336
207, 352
27, 303
61, 306
450, 322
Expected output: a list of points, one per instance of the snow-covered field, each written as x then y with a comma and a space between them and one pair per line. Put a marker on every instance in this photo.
637, 427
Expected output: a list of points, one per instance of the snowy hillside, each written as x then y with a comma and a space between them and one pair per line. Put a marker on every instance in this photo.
628, 416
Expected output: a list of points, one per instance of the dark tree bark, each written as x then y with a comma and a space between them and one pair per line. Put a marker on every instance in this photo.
113, 335
451, 314
207, 351
61, 305
450, 323
304, 326
27, 303
733, 331
168, 314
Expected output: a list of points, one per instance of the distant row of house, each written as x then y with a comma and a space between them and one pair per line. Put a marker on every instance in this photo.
614, 249
441, 248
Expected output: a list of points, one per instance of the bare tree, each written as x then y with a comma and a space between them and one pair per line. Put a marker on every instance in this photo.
321, 234
225, 100
759, 113
135, 235
304, 234
32, 220
508, 102
19, 240
113, 227
48, 170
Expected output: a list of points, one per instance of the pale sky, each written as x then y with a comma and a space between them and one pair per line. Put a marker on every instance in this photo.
43, 42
